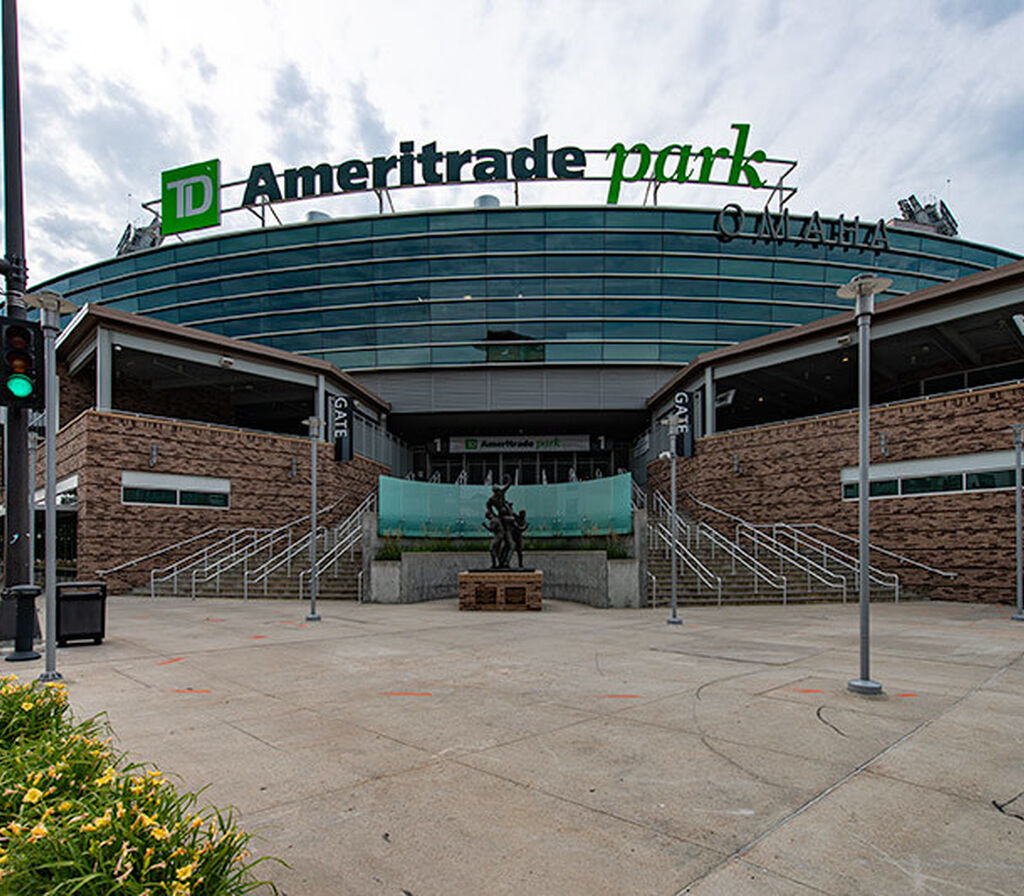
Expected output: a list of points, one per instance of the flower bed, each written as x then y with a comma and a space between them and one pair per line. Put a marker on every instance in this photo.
76, 818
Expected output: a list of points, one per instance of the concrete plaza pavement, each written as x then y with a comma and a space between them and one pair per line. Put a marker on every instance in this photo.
416, 749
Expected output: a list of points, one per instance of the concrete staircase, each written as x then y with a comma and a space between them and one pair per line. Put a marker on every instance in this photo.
338, 582
739, 583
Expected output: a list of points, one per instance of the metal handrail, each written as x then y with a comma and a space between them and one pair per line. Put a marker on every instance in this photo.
900, 557
762, 541
180, 567
274, 563
243, 555
702, 573
639, 495
347, 534
713, 509
664, 510
653, 597
759, 570
331, 557
828, 552
264, 541
170, 547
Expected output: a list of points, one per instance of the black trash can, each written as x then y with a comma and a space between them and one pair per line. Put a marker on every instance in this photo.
81, 612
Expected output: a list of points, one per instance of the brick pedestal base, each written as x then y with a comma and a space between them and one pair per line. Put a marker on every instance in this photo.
500, 589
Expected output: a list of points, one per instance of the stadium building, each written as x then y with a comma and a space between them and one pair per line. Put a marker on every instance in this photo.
524, 343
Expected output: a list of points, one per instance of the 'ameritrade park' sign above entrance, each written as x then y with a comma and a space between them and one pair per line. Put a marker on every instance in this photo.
191, 195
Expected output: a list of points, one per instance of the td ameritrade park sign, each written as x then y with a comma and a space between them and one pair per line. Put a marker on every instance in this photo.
191, 195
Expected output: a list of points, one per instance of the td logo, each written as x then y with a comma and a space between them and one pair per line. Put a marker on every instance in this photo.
190, 197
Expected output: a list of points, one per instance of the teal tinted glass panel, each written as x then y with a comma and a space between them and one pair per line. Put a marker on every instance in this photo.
437, 510
994, 479
403, 357
562, 242
883, 488
497, 220
683, 264
574, 352
204, 499
632, 307
920, 485
149, 495
623, 329
575, 218
344, 252
456, 354
573, 329
639, 242
390, 224
631, 351
679, 354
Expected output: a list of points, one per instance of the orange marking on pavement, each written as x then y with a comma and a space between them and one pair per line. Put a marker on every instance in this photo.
214, 620
257, 637
623, 696
808, 690
408, 694
190, 691
177, 659
906, 695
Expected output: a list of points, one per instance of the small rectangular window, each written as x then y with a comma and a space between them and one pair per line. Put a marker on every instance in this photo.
204, 499
994, 479
149, 496
884, 487
880, 489
920, 485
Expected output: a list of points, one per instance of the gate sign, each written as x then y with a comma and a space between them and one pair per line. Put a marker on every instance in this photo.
684, 427
343, 427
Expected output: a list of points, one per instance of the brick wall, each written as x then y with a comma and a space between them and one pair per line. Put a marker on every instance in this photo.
98, 446
790, 473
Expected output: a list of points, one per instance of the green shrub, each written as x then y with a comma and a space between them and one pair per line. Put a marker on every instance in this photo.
76, 818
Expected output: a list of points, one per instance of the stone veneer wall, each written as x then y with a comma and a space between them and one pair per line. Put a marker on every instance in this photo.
98, 446
789, 473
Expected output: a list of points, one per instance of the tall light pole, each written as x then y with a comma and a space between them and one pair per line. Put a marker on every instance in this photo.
51, 306
314, 436
1018, 434
863, 289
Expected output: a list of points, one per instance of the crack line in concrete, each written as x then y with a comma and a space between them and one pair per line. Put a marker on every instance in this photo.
835, 785
821, 718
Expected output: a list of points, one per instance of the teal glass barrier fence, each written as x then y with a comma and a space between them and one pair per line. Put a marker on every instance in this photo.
572, 509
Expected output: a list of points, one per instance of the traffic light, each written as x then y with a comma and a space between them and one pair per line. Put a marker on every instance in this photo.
21, 364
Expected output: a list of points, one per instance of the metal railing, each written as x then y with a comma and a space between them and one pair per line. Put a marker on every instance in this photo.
663, 511
213, 568
639, 496
832, 555
183, 567
762, 541
898, 557
330, 558
262, 573
652, 596
759, 572
164, 550
331, 540
681, 552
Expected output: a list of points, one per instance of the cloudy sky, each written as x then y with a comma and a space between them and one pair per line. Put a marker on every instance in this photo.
875, 100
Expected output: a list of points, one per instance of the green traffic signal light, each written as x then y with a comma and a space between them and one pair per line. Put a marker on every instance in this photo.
19, 386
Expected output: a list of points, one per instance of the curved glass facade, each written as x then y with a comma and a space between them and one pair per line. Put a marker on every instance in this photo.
567, 285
